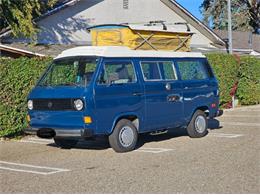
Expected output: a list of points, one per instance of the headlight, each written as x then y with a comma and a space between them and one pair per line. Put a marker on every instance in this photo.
78, 104
30, 104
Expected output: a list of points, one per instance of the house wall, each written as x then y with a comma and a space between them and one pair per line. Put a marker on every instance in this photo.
68, 26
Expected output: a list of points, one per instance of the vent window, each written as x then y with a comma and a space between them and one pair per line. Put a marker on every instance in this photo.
125, 4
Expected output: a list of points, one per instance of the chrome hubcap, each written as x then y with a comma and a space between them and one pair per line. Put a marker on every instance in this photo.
200, 124
126, 136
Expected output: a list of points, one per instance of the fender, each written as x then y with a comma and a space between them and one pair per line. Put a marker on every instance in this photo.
126, 115
199, 107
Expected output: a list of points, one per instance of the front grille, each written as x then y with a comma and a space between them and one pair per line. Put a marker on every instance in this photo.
53, 104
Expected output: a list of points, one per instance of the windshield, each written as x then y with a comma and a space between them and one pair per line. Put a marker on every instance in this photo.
70, 72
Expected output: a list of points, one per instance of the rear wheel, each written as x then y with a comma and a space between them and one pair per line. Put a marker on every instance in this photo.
65, 142
198, 125
124, 136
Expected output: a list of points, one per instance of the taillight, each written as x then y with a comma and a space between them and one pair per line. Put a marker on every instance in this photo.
213, 105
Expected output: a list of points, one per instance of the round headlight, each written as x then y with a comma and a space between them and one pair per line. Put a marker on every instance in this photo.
30, 104
78, 104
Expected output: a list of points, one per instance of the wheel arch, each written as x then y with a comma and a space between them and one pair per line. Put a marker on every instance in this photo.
203, 108
129, 116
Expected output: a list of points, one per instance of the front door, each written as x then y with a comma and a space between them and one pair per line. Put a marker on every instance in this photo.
163, 95
117, 92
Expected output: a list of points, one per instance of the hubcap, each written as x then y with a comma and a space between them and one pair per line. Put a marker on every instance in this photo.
200, 124
126, 136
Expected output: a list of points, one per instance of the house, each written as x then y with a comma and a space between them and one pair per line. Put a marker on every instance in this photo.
65, 26
243, 42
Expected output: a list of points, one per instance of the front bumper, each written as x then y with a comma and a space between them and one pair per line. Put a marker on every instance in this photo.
73, 133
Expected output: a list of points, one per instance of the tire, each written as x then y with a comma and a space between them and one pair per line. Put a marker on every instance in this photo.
124, 136
65, 142
198, 125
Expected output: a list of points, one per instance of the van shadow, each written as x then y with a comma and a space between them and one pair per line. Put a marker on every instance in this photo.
172, 133
214, 124
101, 143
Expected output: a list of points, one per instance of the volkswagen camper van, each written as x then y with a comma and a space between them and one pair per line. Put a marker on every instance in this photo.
120, 93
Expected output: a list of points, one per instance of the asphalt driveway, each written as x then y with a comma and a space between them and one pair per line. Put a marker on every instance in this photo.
225, 161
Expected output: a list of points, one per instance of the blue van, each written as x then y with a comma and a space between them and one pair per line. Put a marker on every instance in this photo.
118, 92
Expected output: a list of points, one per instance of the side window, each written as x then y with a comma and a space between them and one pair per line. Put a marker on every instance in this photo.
117, 73
150, 70
167, 71
193, 70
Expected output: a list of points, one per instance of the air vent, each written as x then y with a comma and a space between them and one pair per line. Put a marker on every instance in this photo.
125, 4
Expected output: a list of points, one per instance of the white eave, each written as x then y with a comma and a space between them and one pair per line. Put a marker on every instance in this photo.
119, 51
19, 51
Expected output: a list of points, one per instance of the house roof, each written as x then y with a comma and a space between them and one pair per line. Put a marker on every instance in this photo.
18, 52
119, 51
241, 40
191, 19
172, 4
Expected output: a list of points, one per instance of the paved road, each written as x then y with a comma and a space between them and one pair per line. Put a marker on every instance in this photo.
227, 160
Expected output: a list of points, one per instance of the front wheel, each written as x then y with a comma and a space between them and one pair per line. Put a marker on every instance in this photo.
198, 125
65, 143
124, 136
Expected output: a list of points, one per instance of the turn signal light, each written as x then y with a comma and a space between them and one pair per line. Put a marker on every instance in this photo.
28, 118
87, 119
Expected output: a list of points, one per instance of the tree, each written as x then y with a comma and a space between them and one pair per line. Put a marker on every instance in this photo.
245, 14
18, 15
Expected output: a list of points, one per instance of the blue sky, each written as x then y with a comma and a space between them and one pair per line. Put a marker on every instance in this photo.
192, 6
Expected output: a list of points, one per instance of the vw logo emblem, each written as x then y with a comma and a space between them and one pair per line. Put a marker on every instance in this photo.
49, 104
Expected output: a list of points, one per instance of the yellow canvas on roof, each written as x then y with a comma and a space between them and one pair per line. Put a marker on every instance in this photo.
141, 39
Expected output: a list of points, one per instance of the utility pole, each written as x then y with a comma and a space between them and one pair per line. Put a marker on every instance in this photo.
230, 43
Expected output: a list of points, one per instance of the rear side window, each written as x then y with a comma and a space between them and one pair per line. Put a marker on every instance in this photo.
117, 73
193, 70
158, 71
167, 71
151, 71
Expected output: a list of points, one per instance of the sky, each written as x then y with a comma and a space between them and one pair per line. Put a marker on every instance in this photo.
192, 6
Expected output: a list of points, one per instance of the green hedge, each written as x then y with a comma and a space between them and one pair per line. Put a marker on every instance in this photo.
226, 68
248, 91
18, 76
245, 70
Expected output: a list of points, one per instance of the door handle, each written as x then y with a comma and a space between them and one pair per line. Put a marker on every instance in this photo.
137, 94
173, 98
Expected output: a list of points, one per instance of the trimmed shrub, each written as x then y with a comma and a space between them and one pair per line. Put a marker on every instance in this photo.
248, 91
226, 69
18, 76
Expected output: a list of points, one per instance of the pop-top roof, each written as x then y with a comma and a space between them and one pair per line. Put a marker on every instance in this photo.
118, 51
